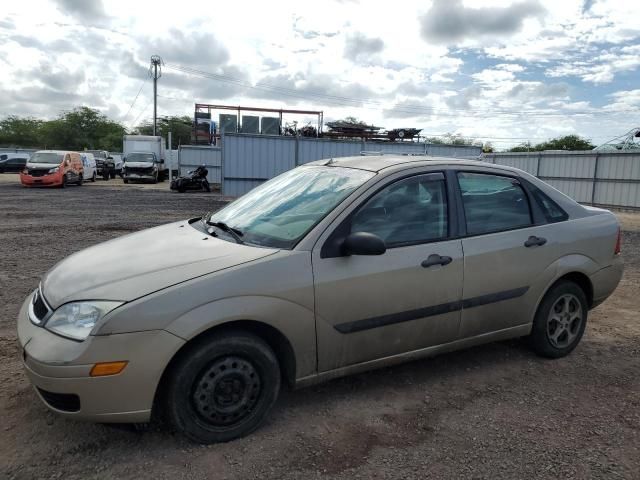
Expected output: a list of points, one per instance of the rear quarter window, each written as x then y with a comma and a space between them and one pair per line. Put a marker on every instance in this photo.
550, 209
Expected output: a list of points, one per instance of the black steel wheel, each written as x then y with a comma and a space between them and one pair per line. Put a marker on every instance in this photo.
227, 391
222, 387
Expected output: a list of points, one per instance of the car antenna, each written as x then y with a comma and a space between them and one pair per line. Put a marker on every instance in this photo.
330, 162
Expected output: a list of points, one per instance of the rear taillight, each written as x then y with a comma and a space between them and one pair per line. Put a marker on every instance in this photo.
618, 248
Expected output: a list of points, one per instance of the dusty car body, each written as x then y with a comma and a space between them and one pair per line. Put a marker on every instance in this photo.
385, 259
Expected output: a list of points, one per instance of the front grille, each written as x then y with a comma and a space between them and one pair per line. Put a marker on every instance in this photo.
36, 172
140, 171
67, 402
39, 307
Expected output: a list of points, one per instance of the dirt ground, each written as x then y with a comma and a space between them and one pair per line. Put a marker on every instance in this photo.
495, 411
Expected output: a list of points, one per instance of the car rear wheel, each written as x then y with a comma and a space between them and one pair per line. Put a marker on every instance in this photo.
80, 180
560, 320
222, 388
64, 181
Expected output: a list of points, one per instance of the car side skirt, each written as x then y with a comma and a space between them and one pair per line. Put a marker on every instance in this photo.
512, 332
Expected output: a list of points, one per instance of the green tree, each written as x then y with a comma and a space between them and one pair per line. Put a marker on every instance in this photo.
452, 139
568, 142
20, 132
86, 127
180, 127
487, 147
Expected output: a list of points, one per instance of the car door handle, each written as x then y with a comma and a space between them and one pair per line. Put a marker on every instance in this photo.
435, 259
534, 241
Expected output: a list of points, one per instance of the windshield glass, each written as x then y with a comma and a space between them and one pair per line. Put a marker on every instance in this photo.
281, 211
140, 157
46, 157
98, 153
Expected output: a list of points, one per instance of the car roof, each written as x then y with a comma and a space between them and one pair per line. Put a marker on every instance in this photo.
377, 163
55, 151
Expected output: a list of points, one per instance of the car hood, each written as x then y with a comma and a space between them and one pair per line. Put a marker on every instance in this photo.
42, 165
138, 164
129, 267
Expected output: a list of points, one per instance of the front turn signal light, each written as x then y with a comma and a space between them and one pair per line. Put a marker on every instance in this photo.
107, 368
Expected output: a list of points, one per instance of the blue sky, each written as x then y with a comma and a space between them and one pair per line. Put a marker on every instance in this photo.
495, 70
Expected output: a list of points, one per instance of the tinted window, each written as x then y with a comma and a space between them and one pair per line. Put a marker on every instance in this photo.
493, 203
552, 212
409, 211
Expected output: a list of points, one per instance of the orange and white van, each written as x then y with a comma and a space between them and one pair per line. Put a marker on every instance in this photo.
52, 168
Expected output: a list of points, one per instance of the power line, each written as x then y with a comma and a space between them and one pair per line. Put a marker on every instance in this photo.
406, 108
142, 112
136, 98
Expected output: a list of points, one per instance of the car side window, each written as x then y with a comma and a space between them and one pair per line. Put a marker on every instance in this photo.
493, 203
550, 209
407, 212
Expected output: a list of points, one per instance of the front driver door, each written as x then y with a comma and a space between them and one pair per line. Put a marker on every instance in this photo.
370, 307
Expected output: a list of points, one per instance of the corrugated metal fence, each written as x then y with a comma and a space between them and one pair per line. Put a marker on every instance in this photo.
249, 160
191, 157
598, 178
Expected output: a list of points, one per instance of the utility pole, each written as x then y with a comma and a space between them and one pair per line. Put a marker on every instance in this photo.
155, 73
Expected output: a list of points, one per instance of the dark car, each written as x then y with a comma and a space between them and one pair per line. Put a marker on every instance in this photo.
9, 163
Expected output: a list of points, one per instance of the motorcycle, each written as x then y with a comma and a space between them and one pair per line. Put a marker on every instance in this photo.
194, 180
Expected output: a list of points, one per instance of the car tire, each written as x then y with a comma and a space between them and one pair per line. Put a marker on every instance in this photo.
222, 388
125, 180
105, 176
93, 177
112, 175
64, 181
560, 320
80, 180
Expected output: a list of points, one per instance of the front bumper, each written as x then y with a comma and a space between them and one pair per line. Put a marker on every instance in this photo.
59, 369
138, 176
50, 180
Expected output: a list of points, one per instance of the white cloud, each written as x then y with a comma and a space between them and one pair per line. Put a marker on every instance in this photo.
394, 66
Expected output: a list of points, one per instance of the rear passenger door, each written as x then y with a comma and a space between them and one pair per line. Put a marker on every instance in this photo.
508, 252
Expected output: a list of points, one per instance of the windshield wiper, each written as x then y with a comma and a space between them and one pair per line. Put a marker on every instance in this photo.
234, 232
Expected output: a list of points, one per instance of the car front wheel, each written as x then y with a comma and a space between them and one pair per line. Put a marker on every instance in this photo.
222, 388
560, 320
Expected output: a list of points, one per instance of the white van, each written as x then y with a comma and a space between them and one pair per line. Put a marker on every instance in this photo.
89, 164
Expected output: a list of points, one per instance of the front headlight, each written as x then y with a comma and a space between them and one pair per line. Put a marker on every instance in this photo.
54, 170
76, 320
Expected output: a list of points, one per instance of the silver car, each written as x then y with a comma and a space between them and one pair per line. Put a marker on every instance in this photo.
332, 268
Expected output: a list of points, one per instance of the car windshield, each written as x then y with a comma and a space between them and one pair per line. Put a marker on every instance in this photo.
98, 153
46, 157
140, 157
281, 211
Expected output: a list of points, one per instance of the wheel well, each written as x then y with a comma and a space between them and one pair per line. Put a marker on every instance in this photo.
583, 282
274, 338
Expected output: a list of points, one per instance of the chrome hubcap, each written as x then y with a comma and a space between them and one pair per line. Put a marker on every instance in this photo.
565, 321
227, 391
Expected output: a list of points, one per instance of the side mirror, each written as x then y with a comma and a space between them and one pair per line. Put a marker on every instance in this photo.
363, 243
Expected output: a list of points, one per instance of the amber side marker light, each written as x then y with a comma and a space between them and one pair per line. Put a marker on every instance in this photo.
107, 368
